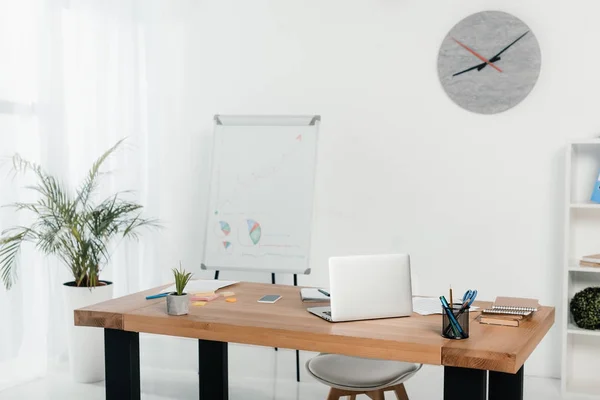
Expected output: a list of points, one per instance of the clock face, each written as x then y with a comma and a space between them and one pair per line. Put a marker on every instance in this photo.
489, 62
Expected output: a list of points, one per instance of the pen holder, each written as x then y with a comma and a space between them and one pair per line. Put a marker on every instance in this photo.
449, 328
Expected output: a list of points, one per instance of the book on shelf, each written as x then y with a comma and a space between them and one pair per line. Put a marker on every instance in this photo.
589, 264
497, 320
592, 260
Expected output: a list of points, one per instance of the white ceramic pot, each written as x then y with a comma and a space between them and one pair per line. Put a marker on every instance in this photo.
86, 344
178, 305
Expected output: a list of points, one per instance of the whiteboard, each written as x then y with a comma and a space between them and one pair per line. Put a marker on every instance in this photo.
261, 194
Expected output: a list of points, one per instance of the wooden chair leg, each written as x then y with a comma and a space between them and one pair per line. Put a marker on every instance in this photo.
376, 394
400, 391
334, 394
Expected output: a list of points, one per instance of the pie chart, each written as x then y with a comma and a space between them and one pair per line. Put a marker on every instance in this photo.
222, 229
227, 247
254, 231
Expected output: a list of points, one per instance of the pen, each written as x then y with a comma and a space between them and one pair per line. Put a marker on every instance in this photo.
157, 296
451, 326
324, 292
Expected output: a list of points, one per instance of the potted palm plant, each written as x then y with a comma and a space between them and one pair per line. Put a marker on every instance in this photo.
178, 302
78, 231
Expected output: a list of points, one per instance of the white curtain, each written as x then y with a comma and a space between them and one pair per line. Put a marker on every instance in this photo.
75, 77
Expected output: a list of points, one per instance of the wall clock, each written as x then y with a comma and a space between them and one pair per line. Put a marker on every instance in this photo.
489, 62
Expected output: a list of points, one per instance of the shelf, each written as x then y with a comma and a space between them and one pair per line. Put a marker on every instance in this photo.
577, 268
585, 205
575, 330
586, 141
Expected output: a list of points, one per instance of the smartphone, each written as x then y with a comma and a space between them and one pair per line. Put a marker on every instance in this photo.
269, 298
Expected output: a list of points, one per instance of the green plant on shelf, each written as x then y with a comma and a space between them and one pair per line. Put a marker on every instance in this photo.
585, 308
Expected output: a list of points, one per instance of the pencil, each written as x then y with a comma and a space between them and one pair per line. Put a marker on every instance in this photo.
451, 301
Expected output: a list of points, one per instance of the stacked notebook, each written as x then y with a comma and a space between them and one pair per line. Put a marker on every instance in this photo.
312, 295
509, 311
590, 261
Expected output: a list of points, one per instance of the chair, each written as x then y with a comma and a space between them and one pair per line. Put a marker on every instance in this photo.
351, 376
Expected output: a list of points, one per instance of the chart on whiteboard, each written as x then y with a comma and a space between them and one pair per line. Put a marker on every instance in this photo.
261, 198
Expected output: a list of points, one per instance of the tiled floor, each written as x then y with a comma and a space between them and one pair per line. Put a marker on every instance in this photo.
256, 373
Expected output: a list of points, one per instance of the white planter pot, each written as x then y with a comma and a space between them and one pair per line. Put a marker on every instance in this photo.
86, 344
178, 305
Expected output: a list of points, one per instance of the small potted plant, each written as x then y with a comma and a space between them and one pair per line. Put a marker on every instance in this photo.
178, 302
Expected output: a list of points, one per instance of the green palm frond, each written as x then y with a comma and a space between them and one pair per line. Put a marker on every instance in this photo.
10, 247
90, 183
73, 229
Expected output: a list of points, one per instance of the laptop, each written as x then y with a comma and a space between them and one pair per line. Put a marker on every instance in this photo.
368, 287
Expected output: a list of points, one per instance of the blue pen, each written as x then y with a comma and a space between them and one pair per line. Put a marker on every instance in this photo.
324, 292
157, 296
450, 314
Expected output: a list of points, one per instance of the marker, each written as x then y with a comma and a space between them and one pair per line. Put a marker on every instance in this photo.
324, 292
157, 296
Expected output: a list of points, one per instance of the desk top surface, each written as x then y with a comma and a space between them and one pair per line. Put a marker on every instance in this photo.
287, 324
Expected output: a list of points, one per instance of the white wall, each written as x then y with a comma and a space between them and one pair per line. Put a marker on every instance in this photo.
476, 200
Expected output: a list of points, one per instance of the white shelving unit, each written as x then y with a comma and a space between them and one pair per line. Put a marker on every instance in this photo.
580, 347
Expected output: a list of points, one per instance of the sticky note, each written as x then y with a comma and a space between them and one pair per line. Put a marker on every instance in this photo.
227, 294
205, 298
203, 294
199, 303
231, 299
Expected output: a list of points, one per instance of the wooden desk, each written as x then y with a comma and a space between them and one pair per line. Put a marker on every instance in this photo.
286, 324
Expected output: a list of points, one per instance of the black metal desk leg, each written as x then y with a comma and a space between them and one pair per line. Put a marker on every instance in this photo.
212, 370
506, 386
122, 364
297, 351
465, 384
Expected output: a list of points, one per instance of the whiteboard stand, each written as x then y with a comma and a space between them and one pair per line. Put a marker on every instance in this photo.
252, 155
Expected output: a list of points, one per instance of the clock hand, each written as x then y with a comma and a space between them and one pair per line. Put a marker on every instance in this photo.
492, 60
478, 67
497, 56
477, 55
485, 62
507, 47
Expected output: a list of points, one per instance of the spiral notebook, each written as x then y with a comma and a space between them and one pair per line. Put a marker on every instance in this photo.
513, 305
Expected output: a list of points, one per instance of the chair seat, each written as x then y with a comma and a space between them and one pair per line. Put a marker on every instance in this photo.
357, 373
